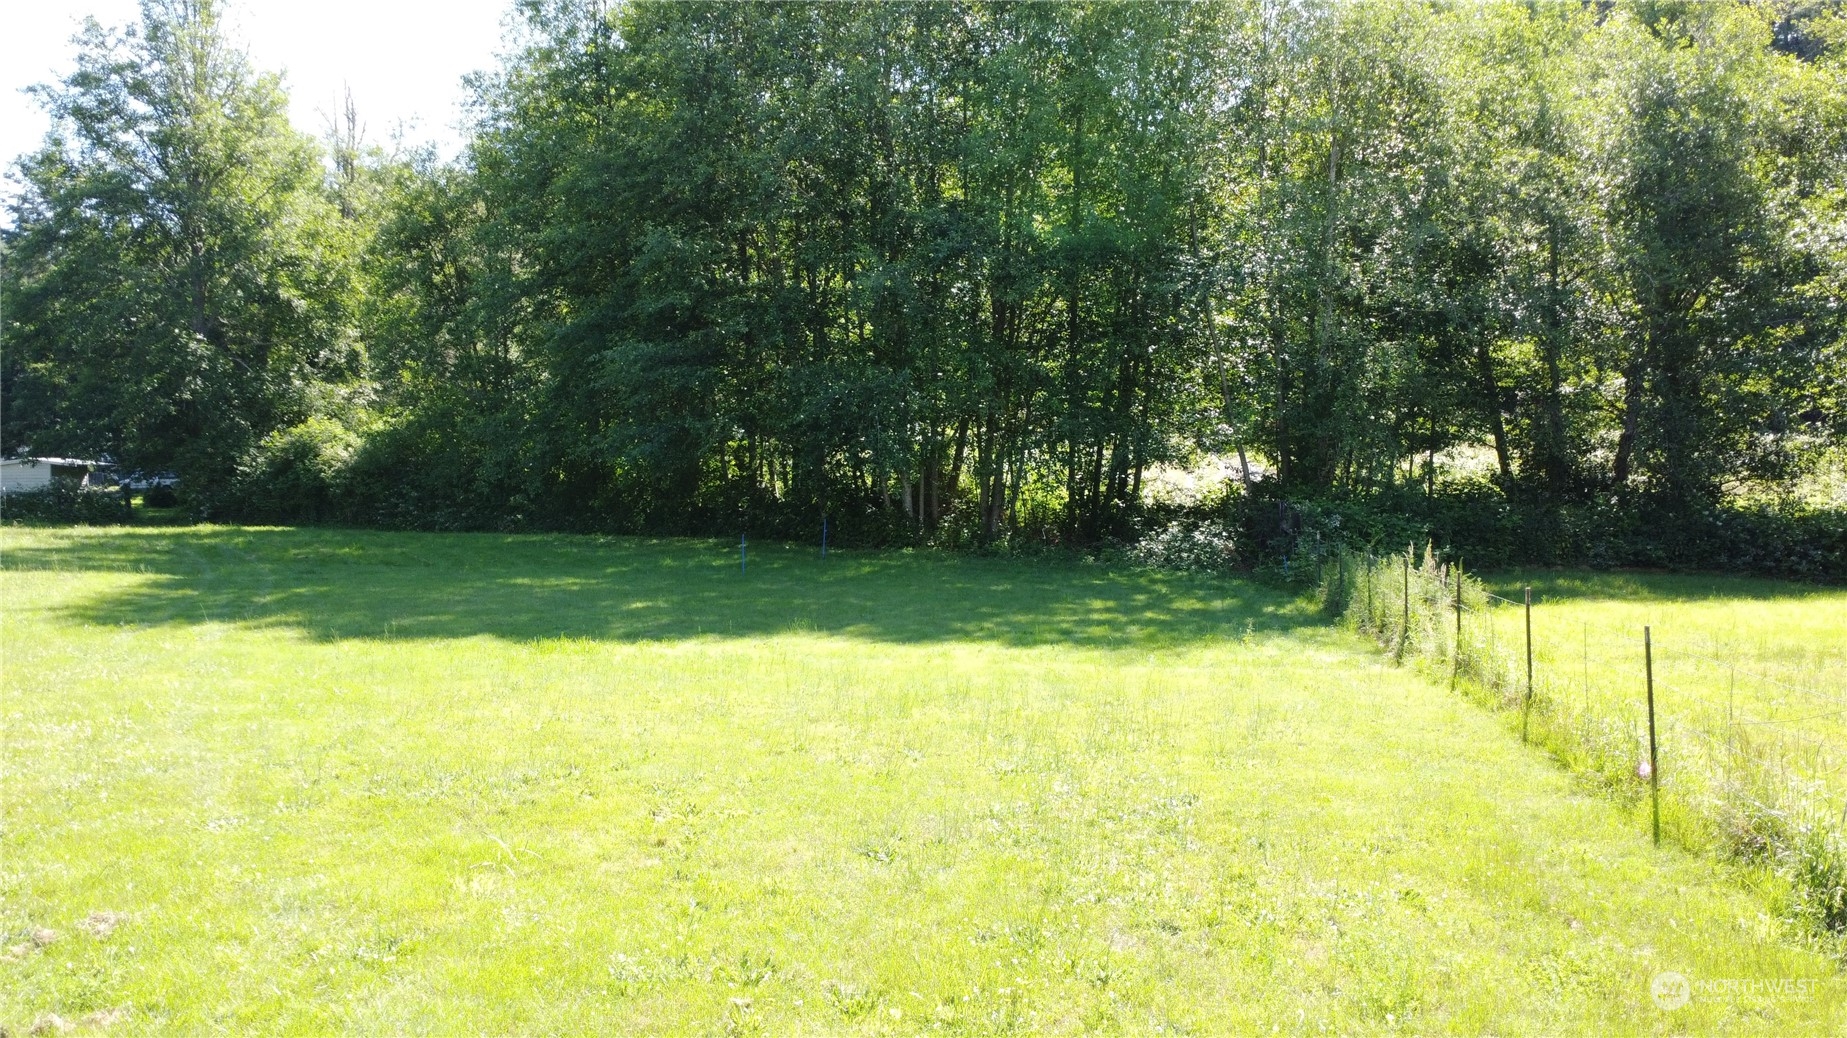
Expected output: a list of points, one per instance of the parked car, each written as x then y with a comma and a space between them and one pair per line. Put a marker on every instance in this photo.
144, 481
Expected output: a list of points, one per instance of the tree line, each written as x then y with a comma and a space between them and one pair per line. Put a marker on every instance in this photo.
957, 269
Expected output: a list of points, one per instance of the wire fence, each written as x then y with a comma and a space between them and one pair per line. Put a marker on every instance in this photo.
1725, 756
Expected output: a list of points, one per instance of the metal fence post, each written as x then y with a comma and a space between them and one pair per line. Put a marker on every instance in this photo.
1455, 673
1654, 765
1731, 693
1526, 717
1372, 620
1404, 629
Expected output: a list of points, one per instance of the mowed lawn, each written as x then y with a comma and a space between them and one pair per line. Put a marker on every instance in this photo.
302, 780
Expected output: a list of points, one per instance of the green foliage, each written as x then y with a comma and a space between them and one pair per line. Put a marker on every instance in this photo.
170, 291
1476, 522
964, 273
1202, 546
439, 471
901, 260
64, 501
296, 474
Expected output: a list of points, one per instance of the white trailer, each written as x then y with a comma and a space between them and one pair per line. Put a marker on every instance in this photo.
34, 473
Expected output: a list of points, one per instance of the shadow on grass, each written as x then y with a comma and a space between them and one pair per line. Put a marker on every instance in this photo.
337, 584
1646, 586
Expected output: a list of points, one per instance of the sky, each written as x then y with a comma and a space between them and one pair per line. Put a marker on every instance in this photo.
404, 59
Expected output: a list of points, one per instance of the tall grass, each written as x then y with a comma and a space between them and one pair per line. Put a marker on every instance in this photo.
1751, 776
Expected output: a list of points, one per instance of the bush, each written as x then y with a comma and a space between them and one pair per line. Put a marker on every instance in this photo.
1206, 546
295, 475
1480, 524
1292, 538
64, 501
440, 470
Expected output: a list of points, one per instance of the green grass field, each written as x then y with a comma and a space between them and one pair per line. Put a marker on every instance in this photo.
1758, 664
292, 780
1706, 628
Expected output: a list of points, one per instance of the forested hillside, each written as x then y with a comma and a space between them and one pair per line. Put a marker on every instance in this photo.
972, 272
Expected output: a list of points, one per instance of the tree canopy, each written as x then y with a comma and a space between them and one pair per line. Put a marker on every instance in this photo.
958, 266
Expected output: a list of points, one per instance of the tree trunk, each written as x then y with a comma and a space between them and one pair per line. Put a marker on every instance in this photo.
1625, 442
961, 452
1554, 464
1497, 420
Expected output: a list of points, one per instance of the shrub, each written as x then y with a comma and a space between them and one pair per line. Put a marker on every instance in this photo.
1478, 523
1207, 546
439, 470
295, 474
64, 501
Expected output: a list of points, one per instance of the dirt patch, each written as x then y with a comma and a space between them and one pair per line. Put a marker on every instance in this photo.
101, 924
52, 1023
36, 939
